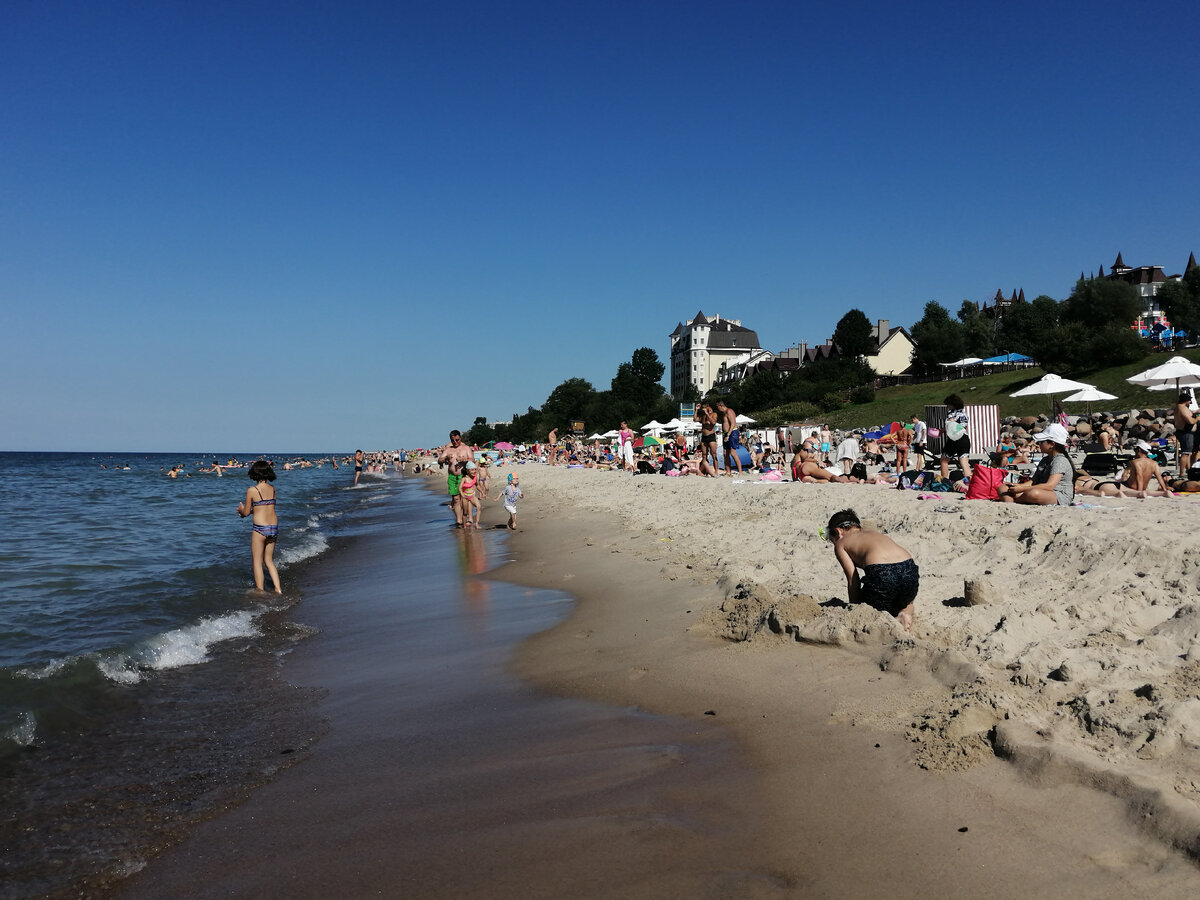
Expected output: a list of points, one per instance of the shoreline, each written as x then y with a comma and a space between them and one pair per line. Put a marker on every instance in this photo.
909, 726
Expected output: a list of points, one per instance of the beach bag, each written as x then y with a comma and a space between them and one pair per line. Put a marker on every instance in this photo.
932, 432
985, 483
955, 429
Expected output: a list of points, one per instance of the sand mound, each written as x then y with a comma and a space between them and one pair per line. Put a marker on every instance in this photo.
1077, 624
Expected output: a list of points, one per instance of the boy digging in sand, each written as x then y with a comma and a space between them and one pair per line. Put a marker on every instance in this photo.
890, 577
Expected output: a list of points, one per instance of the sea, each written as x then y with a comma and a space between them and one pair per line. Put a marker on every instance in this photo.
149, 695
129, 627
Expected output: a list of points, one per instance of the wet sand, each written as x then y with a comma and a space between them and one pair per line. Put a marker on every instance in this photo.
759, 784
442, 775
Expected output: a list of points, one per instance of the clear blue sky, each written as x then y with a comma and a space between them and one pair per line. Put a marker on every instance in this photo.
324, 226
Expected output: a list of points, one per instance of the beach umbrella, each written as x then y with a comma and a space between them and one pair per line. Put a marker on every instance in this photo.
1088, 396
745, 420
647, 441
653, 425
1177, 372
503, 445
1051, 384
595, 437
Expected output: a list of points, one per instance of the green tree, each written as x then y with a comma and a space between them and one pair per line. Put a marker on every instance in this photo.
1180, 300
853, 335
567, 402
1100, 301
979, 331
480, 433
938, 338
635, 388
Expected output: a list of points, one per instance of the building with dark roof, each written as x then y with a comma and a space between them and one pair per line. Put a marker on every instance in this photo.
699, 347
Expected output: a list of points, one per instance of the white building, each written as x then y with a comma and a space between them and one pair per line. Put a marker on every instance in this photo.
701, 345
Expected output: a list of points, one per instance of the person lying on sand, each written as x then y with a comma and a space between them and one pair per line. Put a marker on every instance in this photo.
812, 472
1135, 480
890, 577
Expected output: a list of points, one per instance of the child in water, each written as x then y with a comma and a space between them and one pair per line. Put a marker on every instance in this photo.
466, 490
890, 576
260, 503
511, 494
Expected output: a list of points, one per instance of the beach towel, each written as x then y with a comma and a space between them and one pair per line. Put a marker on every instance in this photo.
985, 483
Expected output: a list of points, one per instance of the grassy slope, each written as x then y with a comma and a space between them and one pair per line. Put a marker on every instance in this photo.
898, 403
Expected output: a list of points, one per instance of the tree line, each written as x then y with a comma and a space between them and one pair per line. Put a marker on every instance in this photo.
1087, 331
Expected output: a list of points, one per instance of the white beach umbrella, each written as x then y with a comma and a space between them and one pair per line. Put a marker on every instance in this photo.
1087, 396
611, 434
745, 420
596, 437
673, 425
653, 425
1177, 372
1051, 384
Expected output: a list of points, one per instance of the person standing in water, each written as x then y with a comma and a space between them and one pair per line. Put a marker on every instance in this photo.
260, 503
358, 464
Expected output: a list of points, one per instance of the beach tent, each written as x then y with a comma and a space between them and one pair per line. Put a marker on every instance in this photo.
965, 361
1005, 358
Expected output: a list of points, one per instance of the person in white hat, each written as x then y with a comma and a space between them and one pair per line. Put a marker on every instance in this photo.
1135, 480
1053, 481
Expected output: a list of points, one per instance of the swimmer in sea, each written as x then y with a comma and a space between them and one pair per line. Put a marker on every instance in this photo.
358, 464
260, 503
890, 576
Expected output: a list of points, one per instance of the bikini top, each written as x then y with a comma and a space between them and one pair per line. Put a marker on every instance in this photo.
260, 501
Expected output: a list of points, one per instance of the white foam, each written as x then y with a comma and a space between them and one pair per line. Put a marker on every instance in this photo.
311, 543
47, 670
24, 731
185, 646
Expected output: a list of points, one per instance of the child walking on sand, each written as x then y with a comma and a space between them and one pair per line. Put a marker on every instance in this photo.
890, 576
260, 503
511, 494
467, 491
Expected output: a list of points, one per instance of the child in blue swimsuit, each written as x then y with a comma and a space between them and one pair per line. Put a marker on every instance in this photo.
260, 503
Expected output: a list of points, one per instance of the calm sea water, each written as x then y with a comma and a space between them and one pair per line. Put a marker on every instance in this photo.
129, 628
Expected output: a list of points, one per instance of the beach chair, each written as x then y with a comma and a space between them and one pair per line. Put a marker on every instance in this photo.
1097, 464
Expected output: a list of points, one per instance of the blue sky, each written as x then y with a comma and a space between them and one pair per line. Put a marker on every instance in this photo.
273, 226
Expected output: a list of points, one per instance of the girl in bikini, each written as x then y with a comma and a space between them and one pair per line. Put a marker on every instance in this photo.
260, 503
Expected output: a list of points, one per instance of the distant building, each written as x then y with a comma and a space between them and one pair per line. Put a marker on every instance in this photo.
1147, 280
701, 345
1000, 303
893, 350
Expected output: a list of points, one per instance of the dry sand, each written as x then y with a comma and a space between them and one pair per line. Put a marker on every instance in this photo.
1078, 666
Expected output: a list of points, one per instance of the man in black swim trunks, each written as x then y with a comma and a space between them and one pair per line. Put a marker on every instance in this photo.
890, 577
708, 436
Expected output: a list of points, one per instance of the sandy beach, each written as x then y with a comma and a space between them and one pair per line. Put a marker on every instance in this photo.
1006, 748
1056, 718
